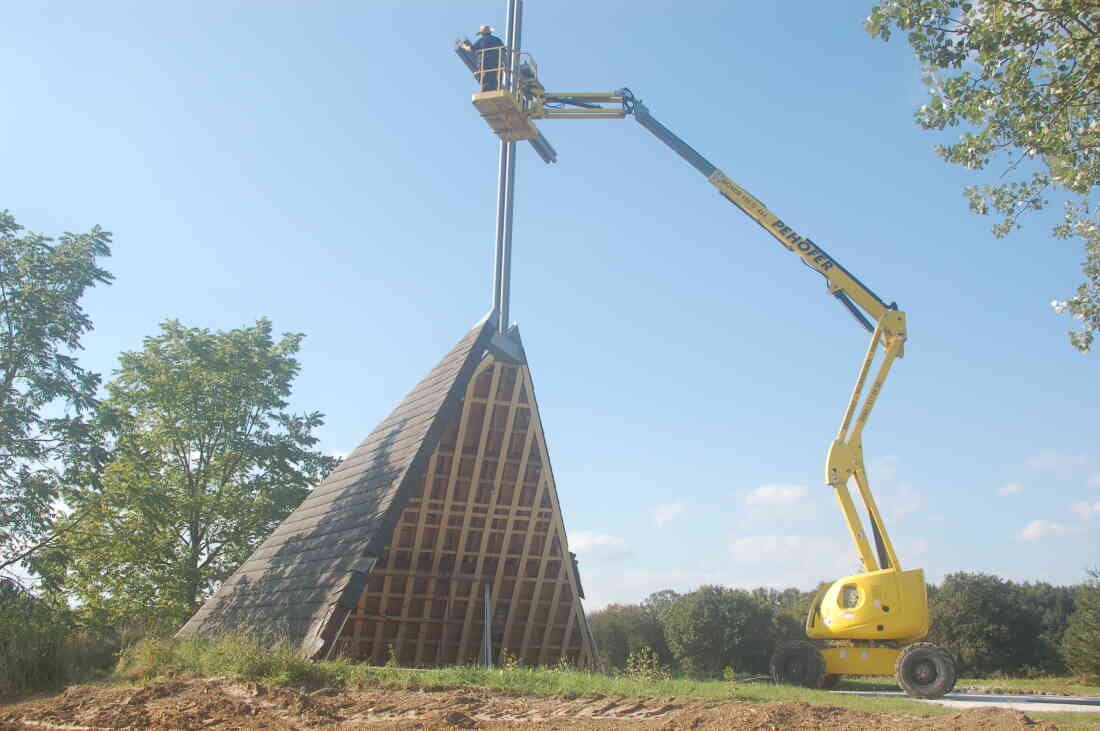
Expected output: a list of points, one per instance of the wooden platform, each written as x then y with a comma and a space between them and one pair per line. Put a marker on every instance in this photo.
505, 116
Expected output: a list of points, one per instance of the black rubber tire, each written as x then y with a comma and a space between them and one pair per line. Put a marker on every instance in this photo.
828, 682
797, 662
924, 670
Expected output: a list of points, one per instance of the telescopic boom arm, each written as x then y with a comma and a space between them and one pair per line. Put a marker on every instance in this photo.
855, 296
885, 322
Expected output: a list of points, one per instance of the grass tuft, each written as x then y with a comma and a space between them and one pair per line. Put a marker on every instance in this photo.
241, 656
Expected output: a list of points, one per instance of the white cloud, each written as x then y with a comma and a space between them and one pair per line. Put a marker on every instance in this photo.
900, 502
1013, 488
1038, 529
917, 548
759, 547
615, 585
1087, 510
1094, 480
1060, 465
776, 494
779, 548
811, 557
883, 471
797, 561
623, 586
598, 546
664, 513
338, 454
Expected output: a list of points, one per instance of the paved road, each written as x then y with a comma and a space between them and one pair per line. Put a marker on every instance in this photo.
1019, 702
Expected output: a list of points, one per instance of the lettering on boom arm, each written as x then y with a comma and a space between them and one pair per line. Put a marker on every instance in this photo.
806, 247
760, 213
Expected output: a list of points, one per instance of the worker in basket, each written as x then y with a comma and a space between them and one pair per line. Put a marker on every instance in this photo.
487, 47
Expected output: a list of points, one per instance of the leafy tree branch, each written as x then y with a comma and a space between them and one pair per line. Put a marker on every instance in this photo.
47, 401
1023, 80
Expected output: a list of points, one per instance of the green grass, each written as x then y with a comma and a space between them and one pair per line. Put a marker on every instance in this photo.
242, 657
1046, 685
1070, 721
279, 665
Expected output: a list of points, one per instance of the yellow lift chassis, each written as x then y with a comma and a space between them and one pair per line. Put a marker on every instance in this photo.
870, 623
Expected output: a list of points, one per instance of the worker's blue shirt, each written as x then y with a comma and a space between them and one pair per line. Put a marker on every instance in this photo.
486, 43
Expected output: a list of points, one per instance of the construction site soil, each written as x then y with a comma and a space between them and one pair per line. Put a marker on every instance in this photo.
225, 703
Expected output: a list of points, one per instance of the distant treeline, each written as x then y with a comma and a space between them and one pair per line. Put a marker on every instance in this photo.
992, 626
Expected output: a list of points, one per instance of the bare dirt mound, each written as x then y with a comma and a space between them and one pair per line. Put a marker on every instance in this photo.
223, 703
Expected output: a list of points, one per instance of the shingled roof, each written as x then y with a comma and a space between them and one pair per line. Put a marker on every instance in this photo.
303, 581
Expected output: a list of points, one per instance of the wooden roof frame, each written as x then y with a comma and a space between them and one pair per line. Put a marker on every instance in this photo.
311, 575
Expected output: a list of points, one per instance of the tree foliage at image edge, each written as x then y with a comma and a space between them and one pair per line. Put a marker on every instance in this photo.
1023, 78
47, 401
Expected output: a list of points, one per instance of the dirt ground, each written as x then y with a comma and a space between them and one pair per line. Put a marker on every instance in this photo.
222, 703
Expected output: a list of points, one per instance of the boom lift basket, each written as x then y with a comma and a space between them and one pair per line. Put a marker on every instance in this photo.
507, 107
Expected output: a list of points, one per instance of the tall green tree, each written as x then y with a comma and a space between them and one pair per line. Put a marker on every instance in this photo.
659, 602
46, 398
1052, 607
715, 627
790, 600
206, 461
1081, 640
1022, 77
621, 629
985, 622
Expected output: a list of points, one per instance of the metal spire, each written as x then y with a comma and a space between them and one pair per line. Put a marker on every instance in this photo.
506, 179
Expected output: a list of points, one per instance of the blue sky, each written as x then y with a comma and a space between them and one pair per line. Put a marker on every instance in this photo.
320, 164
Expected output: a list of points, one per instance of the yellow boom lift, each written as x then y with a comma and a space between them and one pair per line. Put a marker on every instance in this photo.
870, 623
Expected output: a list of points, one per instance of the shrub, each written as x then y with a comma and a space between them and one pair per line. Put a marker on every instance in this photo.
508, 661
643, 664
241, 655
149, 658
42, 646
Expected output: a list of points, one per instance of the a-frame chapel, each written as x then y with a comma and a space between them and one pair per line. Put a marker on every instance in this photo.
440, 536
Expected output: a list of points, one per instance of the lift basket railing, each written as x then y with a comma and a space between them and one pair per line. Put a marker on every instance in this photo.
495, 68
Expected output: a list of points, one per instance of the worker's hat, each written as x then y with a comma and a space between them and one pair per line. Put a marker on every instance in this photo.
484, 30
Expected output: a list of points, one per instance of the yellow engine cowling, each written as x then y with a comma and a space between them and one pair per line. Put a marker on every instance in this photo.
877, 605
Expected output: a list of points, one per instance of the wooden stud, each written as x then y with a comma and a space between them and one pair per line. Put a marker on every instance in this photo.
569, 575
467, 640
